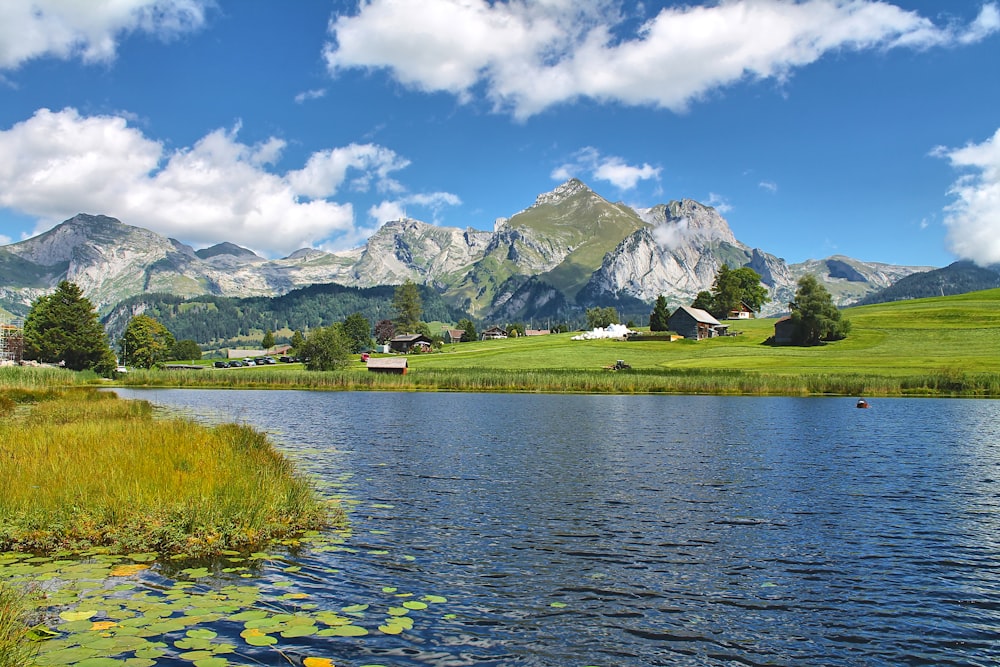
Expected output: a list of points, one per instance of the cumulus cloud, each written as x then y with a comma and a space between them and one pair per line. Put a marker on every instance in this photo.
672, 235
530, 55
396, 209
973, 219
719, 203
88, 29
59, 163
590, 164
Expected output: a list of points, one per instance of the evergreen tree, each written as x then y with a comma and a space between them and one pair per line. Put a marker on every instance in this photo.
661, 314
358, 331
326, 349
468, 330
814, 314
268, 341
63, 327
298, 340
408, 306
145, 342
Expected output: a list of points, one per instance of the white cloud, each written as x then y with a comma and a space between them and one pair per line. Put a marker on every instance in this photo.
88, 29
973, 220
719, 203
590, 164
770, 186
529, 56
307, 95
670, 236
397, 209
57, 164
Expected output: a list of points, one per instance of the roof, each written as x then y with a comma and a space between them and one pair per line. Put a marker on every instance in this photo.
408, 338
699, 315
387, 362
455, 333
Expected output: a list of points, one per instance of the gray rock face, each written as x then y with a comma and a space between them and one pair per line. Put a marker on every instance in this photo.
570, 242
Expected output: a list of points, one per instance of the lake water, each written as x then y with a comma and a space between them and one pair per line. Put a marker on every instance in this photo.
646, 530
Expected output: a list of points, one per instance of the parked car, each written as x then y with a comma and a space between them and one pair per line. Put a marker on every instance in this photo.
285, 359
236, 364
221, 364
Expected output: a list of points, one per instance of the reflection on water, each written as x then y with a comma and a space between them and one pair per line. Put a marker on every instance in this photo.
624, 530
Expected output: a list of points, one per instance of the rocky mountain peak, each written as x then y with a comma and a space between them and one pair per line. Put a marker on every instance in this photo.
226, 248
569, 189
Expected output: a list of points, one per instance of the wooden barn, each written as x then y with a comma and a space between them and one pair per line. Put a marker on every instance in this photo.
395, 365
695, 323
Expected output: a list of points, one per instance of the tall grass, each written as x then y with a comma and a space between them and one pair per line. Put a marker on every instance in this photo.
15, 648
86, 469
635, 381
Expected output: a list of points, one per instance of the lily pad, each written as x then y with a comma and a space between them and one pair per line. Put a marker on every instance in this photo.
343, 631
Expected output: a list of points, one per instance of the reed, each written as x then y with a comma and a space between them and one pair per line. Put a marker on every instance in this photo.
636, 381
85, 469
15, 648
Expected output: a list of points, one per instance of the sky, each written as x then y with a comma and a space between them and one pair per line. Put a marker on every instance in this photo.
816, 127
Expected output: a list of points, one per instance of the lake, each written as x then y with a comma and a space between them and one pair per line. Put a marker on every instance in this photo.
638, 530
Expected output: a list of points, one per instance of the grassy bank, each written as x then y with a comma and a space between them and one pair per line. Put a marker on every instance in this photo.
84, 469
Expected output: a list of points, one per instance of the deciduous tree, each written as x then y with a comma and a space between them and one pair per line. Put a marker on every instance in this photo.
326, 348
385, 330
63, 327
358, 330
185, 349
601, 318
814, 314
146, 342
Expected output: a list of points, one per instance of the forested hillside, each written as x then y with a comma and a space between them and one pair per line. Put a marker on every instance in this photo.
224, 322
956, 278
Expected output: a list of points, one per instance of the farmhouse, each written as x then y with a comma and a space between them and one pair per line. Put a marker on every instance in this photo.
453, 335
395, 365
493, 333
406, 342
742, 312
695, 323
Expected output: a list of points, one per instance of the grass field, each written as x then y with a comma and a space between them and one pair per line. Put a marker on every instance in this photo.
942, 346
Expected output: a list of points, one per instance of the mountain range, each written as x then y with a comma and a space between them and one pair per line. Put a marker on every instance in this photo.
570, 250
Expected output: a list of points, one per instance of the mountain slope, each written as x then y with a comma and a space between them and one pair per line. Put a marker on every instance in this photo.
956, 278
571, 249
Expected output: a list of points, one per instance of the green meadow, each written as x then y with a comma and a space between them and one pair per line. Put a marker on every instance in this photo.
945, 346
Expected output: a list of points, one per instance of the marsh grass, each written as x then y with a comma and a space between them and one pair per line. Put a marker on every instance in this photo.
15, 648
83, 469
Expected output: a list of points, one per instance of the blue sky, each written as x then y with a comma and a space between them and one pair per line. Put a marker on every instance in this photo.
817, 127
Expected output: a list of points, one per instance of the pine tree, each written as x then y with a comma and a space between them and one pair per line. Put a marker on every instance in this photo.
62, 327
660, 316
408, 306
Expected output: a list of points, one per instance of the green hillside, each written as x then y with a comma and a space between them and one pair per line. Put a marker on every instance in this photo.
950, 334
928, 347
